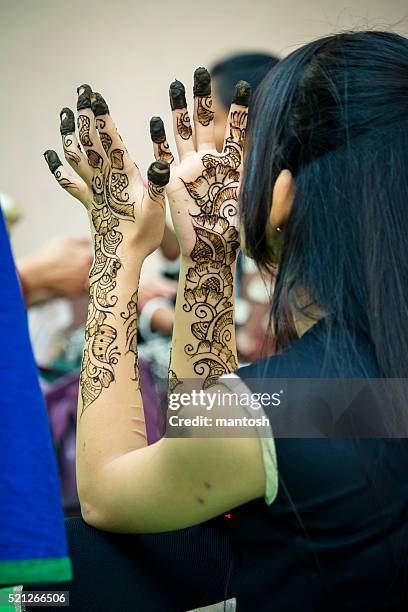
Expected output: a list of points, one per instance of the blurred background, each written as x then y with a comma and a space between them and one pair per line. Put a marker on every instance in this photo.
130, 51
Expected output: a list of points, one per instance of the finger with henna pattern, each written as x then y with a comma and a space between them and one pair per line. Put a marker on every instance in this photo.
88, 134
235, 131
158, 175
73, 185
161, 147
72, 149
203, 113
181, 121
111, 141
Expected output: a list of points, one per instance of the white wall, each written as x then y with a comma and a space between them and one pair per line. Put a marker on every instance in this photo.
130, 51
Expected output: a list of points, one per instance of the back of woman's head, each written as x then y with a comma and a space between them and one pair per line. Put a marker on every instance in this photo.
335, 113
250, 67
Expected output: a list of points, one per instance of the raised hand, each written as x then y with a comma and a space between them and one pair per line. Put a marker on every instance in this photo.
110, 185
203, 193
127, 223
203, 186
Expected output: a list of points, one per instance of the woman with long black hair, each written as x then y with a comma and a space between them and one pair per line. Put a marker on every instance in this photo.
324, 194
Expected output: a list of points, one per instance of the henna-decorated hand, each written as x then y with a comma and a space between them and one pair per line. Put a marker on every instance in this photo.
126, 218
127, 222
203, 187
203, 194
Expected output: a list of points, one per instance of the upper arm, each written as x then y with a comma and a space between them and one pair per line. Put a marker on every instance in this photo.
176, 483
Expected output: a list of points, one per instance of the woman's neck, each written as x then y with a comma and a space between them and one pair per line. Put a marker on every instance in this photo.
305, 313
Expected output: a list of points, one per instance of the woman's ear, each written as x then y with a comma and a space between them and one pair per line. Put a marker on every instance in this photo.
282, 199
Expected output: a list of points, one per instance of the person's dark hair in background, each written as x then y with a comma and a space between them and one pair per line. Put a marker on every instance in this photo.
335, 114
253, 341
250, 67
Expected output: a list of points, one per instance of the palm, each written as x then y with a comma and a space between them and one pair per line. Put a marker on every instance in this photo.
203, 187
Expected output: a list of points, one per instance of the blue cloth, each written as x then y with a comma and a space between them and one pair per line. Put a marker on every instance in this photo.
32, 536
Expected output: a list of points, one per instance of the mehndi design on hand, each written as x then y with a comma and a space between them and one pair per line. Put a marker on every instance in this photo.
110, 186
211, 241
202, 95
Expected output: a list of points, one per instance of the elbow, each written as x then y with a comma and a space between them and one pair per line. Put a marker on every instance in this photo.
98, 515
99, 510
92, 515
93, 509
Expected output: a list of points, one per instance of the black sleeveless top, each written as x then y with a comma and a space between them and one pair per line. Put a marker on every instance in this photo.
336, 536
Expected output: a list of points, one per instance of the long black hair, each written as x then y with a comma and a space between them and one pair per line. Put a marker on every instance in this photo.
335, 113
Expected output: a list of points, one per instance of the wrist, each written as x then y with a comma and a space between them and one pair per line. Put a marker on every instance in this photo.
187, 262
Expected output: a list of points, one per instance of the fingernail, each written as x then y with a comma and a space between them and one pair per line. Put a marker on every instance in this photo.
177, 95
202, 82
242, 93
84, 97
98, 104
159, 173
52, 160
157, 132
67, 125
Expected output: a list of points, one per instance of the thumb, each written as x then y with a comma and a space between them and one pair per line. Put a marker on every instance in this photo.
158, 175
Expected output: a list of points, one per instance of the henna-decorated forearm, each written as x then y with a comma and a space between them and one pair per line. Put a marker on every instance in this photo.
110, 332
205, 301
111, 205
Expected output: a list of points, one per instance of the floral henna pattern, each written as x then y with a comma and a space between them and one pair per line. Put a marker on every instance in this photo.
100, 351
111, 204
209, 282
109, 199
208, 293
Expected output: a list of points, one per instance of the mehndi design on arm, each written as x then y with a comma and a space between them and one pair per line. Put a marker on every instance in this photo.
130, 320
209, 283
108, 191
159, 173
111, 204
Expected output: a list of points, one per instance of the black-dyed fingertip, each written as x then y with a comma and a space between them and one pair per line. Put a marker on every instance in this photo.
52, 160
98, 105
157, 132
84, 97
242, 93
177, 95
159, 173
202, 82
67, 118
